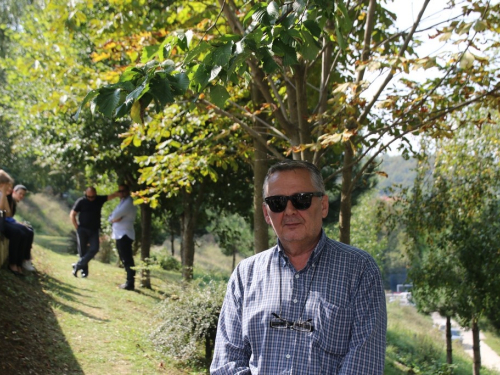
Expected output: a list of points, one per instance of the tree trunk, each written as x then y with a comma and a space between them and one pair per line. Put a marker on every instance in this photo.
345, 198
449, 348
475, 347
188, 228
172, 238
260, 233
146, 214
191, 204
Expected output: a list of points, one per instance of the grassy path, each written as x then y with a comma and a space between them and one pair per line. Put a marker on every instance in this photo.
54, 323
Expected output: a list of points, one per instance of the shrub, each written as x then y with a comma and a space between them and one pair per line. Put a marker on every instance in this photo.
169, 263
189, 320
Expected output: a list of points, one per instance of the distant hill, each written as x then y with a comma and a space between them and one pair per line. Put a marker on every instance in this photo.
400, 172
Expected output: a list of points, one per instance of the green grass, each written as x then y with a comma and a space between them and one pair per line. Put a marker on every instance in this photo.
413, 342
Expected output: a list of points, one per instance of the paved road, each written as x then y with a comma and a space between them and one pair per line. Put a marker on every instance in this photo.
489, 358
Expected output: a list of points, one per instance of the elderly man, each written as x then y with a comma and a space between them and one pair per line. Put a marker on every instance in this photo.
309, 305
88, 210
122, 219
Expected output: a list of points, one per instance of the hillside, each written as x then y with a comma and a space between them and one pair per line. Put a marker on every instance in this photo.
399, 171
52, 323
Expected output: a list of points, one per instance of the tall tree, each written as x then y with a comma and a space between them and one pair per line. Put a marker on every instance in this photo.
310, 62
453, 239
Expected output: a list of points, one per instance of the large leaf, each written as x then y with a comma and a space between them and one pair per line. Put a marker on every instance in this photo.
201, 76
313, 27
135, 113
273, 10
138, 91
222, 54
107, 100
214, 72
310, 47
159, 88
218, 95
195, 52
90, 95
149, 52
180, 83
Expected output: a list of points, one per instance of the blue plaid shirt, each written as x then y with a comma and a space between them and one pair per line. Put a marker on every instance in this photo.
340, 289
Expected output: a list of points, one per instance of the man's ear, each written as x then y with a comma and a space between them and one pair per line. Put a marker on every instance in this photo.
266, 214
324, 206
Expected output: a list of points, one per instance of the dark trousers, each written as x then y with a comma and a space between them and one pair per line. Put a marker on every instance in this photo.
124, 247
18, 242
88, 246
29, 235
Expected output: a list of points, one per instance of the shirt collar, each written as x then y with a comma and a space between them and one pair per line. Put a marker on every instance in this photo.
314, 255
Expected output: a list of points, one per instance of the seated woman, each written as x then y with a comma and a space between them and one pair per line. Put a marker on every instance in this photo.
13, 231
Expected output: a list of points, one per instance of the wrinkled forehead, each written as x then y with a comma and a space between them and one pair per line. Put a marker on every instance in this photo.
289, 182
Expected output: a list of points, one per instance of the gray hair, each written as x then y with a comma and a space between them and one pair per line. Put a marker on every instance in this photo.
291, 165
20, 187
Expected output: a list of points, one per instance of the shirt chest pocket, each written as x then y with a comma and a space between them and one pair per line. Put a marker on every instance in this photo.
332, 328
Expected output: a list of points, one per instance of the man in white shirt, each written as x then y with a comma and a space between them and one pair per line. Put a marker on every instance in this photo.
122, 219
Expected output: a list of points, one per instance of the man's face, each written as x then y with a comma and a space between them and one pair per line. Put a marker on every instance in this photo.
123, 191
297, 229
18, 195
90, 194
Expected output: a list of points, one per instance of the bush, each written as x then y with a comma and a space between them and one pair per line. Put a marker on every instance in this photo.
169, 263
189, 319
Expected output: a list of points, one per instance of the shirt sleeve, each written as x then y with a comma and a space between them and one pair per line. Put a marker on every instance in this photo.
77, 206
125, 209
366, 353
232, 353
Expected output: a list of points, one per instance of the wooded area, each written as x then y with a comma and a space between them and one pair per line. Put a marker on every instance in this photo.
189, 102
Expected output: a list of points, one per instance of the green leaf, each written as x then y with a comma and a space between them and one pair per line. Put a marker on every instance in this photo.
168, 66
218, 95
222, 54
135, 113
123, 109
273, 10
345, 21
201, 76
251, 12
313, 27
131, 74
214, 72
309, 48
159, 88
90, 95
138, 91
149, 52
195, 52
107, 100
181, 82
340, 38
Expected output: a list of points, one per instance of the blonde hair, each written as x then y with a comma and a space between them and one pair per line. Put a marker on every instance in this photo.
5, 178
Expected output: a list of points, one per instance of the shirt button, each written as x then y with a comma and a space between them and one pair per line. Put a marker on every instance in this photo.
295, 301
297, 276
288, 356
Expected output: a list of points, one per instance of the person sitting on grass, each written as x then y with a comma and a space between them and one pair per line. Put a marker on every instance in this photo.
16, 196
17, 241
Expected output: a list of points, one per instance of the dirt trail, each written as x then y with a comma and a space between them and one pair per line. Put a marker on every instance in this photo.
489, 358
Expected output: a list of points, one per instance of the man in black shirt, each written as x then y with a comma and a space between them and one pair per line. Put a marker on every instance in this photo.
88, 210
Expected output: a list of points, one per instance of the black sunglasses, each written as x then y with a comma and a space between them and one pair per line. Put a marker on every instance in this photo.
301, 201
90, 196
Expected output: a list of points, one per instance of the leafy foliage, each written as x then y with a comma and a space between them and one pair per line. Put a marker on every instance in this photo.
448, 222
189, 318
